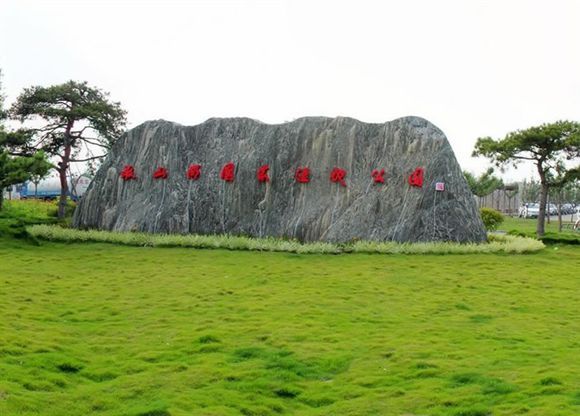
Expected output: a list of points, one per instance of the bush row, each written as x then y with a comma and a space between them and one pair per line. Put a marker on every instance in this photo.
497, 243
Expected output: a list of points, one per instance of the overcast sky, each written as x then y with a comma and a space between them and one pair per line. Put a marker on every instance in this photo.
473, 68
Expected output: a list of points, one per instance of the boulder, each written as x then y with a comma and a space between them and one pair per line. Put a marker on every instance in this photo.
354, 206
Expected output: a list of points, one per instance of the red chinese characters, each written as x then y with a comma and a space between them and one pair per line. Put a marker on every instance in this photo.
228, 172
416, 178
128, 173
160, 173
338, 175
262, 174
378, 176
194, 172
302, 175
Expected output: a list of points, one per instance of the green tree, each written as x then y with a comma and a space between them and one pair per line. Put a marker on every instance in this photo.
548, 146
530, 190
13, 169
562, 180
484, 184
571, 192
75, 116
15, 162
38, 169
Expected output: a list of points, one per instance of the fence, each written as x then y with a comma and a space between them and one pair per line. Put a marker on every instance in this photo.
506, 200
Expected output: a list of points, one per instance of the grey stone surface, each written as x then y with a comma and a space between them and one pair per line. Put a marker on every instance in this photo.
319, 210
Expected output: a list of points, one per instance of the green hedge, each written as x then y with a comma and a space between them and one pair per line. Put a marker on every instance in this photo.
550, 237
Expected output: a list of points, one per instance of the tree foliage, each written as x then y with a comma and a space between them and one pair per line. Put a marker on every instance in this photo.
530, 190
13, 169
548, 146
484, 184
74, 116
571, 192
39, 169
16, 164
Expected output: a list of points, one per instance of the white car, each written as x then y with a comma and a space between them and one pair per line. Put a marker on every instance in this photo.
532, 211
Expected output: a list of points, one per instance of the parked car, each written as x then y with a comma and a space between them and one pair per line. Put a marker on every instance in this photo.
552, 209
567, 209
532, 211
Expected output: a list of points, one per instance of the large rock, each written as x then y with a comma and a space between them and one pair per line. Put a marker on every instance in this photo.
318, 210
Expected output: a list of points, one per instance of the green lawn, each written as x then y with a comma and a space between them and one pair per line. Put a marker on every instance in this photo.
116, 330
16, 215
528, 225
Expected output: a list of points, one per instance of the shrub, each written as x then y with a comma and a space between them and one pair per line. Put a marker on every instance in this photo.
69, 209
550, 237
491, 218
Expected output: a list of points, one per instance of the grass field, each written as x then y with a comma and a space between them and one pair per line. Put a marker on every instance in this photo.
529, 225
117, 330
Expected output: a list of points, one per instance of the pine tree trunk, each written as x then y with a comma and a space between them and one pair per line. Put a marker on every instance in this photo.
1, 198
540, 229
560, 210
63, 167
